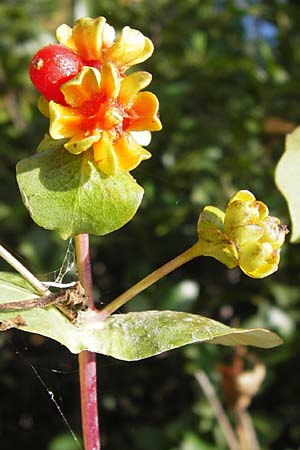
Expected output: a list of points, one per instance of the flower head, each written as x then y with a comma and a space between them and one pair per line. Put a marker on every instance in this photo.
108, 113
89, 99
95, 42
245, 235
257, 235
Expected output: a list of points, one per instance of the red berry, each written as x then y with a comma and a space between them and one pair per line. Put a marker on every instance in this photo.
52, 66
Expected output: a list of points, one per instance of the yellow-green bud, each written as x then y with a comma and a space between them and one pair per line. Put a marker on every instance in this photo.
257, 235
211, 224
213, 242
243, 209
274, 232
258, 260
245, 235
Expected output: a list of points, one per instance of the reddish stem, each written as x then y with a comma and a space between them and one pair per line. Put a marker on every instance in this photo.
89, 405
84, 266
87, 360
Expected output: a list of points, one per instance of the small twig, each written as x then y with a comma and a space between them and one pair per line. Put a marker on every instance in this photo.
246, 431
164, 270
218, 409
38, 302
69, 302
12, 261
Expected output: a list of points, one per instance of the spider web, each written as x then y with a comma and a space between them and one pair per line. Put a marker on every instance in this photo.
65, 276
68, 264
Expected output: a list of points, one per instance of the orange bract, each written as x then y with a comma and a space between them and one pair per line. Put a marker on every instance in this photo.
109, 113
94, 40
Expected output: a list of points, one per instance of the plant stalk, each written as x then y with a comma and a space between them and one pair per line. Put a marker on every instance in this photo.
225, 425
181, 259
246, 431
87, 360
13, 262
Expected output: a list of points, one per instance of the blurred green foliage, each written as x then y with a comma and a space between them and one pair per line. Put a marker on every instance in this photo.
227, 74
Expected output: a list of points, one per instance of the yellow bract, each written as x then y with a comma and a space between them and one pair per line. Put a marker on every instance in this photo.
94, 40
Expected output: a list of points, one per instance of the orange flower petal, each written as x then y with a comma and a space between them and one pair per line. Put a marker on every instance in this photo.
132, 84
105, 156
110, 81
130, 47
82, 87
80, 143
64, 121
88, 37
143, 113
129, 153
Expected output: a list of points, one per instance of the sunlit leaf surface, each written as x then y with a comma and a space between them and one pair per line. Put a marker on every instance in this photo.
69, 194
131, 336
288, 179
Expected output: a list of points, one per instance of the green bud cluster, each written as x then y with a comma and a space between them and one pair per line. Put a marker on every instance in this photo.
245, 235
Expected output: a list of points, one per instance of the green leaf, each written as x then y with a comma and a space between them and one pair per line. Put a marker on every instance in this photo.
47, 322
64, 441
139, 335
131, 336
13, 287
69, 194
288, 180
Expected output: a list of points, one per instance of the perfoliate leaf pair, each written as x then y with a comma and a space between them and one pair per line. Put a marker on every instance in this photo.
69, 194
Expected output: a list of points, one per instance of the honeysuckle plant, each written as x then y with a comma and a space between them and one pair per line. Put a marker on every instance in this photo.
79, 183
